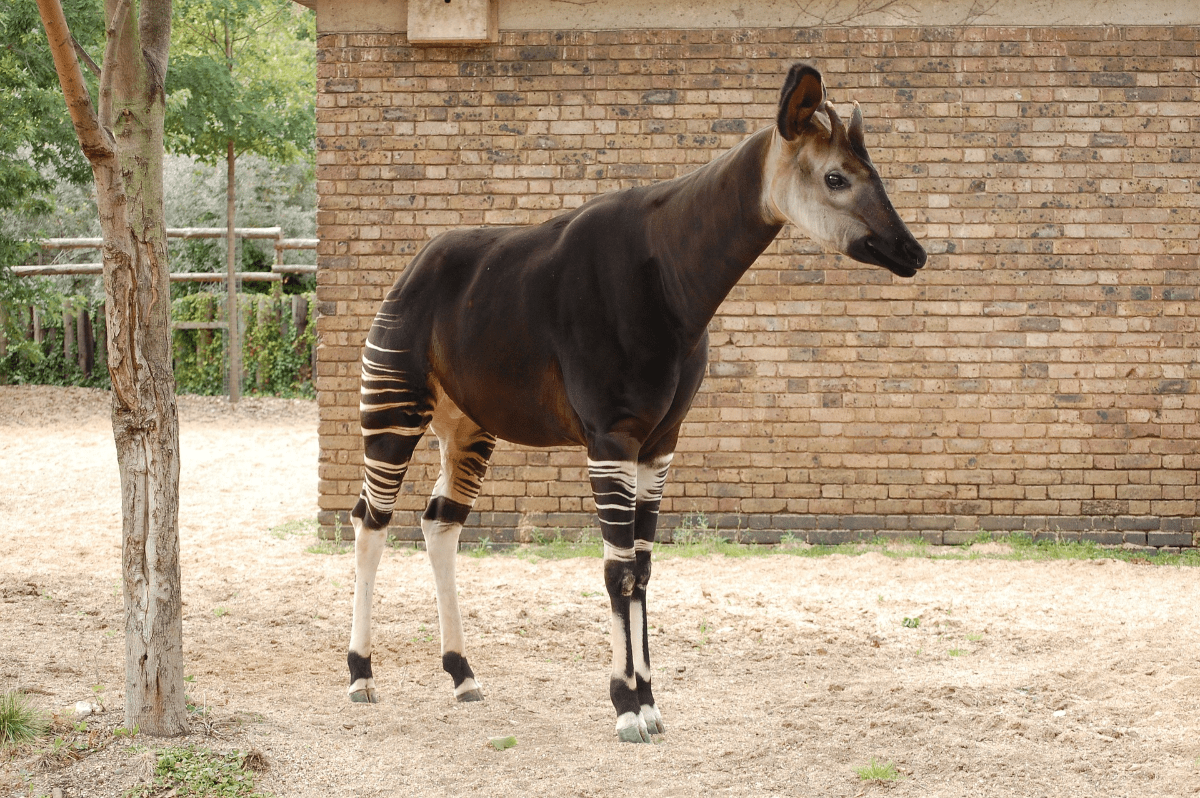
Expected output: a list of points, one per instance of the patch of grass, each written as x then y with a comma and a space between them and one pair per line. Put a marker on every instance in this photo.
696, 538
300, 526
195, 771
956, 652
562, 546
330, 547
879, 772
220, 612
974, 637
911, 623
20, 721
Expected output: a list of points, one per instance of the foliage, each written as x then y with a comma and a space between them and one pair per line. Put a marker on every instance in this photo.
191, 770
20, 721
38, 147
241, 71
30, 363
277, 357
268, 194
37, 140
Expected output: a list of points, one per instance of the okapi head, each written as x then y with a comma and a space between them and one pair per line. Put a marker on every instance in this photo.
820, 178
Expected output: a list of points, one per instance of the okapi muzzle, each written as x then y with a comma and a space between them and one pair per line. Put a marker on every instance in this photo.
823, 181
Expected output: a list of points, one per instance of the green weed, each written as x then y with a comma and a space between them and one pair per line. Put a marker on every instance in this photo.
702, 641
194, 771
480, 549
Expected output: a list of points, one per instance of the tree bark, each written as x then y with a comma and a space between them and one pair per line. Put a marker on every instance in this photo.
232, 316
124, 143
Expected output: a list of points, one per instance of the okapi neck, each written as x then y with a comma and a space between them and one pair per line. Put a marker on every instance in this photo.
707, 228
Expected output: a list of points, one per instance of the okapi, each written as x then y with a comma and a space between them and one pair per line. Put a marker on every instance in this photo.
591, 329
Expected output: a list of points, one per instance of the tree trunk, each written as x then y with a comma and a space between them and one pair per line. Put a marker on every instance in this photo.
232, 315
124, 143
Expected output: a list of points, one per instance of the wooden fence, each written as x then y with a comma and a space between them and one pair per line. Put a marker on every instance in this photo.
79, 334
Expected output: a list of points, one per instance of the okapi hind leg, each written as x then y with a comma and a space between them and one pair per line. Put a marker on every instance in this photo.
394, 416
465, 451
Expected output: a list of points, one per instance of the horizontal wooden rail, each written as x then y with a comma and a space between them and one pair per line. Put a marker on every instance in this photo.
278, 269
199, 325
178, 277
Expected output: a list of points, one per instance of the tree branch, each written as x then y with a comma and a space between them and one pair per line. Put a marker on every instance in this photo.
97, 144
87, 59
114, 33
154, 25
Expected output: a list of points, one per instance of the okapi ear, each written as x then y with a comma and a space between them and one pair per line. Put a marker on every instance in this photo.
857, 143
803, 93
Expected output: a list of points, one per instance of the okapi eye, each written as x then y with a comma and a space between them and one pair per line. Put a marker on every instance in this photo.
836, 181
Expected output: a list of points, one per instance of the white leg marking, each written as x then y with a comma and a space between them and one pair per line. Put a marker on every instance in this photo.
652, 476
640, 666
368, 547
620, 664
620, 553
653, 719
441, 541
632, 729
467, 686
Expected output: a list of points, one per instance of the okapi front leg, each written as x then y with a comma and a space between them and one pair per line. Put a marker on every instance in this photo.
651, 477
614, 486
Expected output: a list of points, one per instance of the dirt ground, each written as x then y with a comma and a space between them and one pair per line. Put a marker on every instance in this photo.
775, 675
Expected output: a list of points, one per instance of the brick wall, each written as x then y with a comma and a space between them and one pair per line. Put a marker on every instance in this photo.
1041, 373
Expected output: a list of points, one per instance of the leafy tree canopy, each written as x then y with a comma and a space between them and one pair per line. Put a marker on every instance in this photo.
37, 140
241, 71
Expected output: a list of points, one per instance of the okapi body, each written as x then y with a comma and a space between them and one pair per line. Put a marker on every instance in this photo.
591, 330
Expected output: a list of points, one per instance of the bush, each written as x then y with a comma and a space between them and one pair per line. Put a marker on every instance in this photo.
276, 353
276, 348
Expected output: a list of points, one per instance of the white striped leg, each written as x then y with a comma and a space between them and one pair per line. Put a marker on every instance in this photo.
651, 477
465, 451
368, 547
614, 486
393, 415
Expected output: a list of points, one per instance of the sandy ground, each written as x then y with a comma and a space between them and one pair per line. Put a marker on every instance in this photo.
776, 676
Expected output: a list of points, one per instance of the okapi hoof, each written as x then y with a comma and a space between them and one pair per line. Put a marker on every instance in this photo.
366, 695
470, 695
632, 729
653, 719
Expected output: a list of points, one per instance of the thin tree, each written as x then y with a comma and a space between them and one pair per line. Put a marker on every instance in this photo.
240, 82
122, 138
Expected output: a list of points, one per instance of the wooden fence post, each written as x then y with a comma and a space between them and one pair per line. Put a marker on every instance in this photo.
37, 325
68, 333
87, 341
